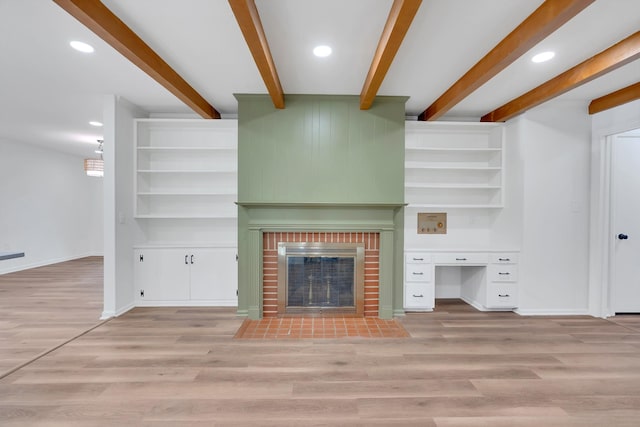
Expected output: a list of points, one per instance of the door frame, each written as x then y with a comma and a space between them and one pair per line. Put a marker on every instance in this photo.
604, 126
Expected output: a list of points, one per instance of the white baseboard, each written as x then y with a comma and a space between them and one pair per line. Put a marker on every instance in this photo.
473, 304
41, 263
202, 303
553, 312
109, 314
480, 307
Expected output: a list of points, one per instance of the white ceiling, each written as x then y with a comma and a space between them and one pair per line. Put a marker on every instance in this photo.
50, 92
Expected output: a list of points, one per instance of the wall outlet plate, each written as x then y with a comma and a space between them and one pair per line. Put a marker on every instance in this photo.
432, 223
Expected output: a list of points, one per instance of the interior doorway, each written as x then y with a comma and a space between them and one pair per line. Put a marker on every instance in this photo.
624, 235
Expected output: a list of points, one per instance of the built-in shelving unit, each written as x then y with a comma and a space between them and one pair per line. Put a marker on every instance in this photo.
185, 169
454, 165
185, 190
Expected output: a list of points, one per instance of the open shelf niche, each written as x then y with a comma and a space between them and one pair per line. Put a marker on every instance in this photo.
454, 165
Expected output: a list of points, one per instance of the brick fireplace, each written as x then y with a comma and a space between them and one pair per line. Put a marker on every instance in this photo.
272, 304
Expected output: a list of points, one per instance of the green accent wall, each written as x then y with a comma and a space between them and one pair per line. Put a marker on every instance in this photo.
320, 149
320, 164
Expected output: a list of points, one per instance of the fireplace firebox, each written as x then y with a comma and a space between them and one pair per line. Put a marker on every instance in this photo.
321, 278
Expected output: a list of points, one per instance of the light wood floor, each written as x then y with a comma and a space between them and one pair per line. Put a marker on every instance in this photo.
181, 366
43, 307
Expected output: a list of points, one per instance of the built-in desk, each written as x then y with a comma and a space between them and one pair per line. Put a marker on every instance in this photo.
10, 255
489, 283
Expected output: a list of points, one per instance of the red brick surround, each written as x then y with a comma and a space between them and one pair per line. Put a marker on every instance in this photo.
371, 270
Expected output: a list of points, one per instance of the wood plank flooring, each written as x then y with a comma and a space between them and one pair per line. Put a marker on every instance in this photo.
43, 307
181, 366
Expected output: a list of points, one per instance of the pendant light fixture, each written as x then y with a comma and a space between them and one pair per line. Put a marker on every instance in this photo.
95, 167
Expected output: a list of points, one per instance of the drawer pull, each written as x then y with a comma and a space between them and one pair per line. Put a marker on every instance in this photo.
504, 295
503, 274
418, 259
418, 296
417, 274
504, 259
461, 259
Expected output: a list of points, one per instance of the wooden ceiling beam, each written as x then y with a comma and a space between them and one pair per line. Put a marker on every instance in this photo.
547, 18
608, 60
99, 19
398, 22
614, 99
246, 14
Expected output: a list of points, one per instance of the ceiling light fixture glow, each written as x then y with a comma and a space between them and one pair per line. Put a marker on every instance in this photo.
322, 51
81, 47
94, 123
543, 56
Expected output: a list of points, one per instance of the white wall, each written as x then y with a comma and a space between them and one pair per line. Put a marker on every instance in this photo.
554, 140
506, 223
120, 230
49, 208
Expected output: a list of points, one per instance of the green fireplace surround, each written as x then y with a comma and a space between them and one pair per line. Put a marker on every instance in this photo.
320, 164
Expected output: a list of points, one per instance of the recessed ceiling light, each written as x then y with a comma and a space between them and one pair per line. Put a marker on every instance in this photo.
94, 123
82, 47
322, 51
544, 56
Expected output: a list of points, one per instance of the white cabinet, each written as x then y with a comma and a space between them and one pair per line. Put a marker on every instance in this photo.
185, 168
214, 276
502, 278
489, 280
454, 165
162, 275
461, 258
501, 296
418, 296
418, 290
185, 186
185, 276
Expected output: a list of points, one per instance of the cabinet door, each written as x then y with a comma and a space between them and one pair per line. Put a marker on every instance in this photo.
503, 273
502, 295
418, 272
162, 275
214, 275
419, 296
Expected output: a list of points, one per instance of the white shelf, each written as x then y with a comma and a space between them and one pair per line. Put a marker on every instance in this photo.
211, 171
185, 169
452, 186
186, 194
458, 149
452, 206
187, 216
454, 165
423, 166
143, 149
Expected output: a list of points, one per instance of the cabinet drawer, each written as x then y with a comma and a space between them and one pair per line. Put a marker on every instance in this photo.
417, 258
418, 272
503, 273
504, 258
419, 296
461, 258
502, 295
